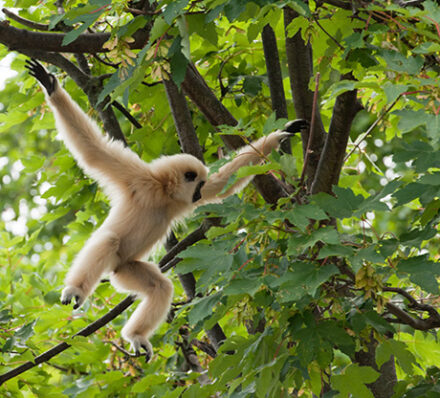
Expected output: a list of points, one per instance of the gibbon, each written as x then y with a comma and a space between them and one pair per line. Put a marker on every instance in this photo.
146, 199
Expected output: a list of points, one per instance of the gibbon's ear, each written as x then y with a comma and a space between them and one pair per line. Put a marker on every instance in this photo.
295, 126
47, 80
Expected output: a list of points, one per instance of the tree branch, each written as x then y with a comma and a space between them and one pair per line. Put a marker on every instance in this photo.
182, 120
300, 65
198, 91
433, 321
21, 39
25, 22
332, 157
275, 78
127, 114
87, 331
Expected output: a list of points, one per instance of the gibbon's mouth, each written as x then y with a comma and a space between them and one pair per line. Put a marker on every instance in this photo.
197, 194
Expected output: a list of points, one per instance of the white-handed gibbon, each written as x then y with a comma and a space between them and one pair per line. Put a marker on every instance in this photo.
146, 199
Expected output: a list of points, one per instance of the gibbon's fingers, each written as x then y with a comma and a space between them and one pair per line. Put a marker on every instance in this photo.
46, 79
71, 292
295, 126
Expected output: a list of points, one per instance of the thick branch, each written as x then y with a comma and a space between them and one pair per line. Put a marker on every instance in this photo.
198, 91
191, 357
275, 78
22, 39
332, 157
300, 65
182, 120
433, 321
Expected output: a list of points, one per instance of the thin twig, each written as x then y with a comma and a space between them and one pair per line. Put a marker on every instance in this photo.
312, 128
328, 34
376, 122
127, 114
25, 22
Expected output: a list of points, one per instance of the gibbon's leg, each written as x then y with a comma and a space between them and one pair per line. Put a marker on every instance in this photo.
156, 292
97, 256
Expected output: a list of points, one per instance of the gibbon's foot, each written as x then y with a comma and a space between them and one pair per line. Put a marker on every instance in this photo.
70, 292
37, 70
295, 126
138, 342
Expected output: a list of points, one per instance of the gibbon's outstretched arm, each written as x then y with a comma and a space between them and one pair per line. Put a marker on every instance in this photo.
105, 160
251, 154
154, 195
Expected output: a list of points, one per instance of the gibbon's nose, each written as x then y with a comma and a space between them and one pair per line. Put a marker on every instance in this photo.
197, 194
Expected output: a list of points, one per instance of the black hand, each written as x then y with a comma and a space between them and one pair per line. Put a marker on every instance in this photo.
46, 79
295, 126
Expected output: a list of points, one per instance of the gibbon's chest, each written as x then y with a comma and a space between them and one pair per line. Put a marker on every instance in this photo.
140, 230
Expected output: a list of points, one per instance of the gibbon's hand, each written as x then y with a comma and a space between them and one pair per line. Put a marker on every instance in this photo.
46, 79
295, 126
71, 292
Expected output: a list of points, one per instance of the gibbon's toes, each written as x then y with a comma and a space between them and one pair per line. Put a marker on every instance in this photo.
71, 292
148, 353
139, 342
295, 126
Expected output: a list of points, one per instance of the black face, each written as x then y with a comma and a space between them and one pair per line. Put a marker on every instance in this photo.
190, 176
197, 194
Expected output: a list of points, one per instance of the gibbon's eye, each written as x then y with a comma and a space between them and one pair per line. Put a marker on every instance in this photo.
190, 175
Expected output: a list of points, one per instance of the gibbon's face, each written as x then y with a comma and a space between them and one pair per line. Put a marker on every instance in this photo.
185, 176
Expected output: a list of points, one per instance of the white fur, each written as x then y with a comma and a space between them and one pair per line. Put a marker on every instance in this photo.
146, 199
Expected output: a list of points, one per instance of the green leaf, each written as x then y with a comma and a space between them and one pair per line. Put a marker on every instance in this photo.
197, 24
252, 85
399, 63
242, 286
33, 163
299, 243
304, 278
202, 308
427, 48
361, 320
256, 169
342, 206
431, 210
410, 119
25, 331
408, 193
352, 383
158, 29
399, 350
421, 271
178, 64
173, 9
234, 8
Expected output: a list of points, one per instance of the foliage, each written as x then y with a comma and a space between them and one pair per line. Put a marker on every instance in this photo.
305, 289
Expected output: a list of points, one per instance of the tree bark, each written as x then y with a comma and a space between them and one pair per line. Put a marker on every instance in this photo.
275, 78
300, 65
332, 157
